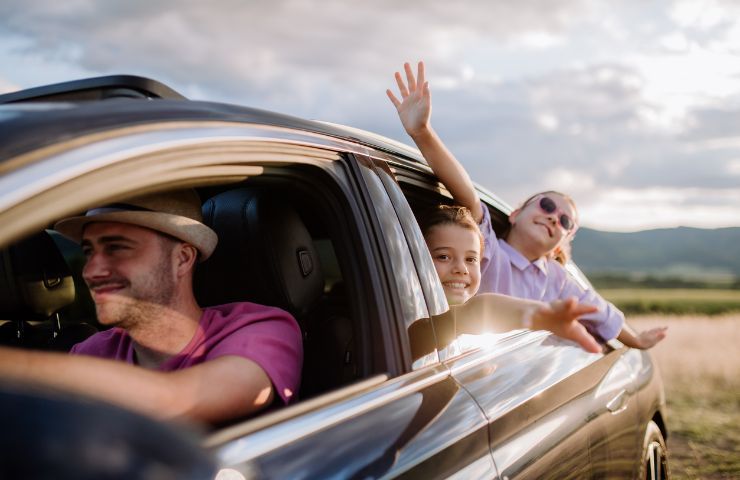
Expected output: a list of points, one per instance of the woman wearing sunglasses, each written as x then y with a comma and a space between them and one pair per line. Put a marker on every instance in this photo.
528, 260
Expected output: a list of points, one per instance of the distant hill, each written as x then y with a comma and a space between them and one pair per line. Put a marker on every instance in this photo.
687, 253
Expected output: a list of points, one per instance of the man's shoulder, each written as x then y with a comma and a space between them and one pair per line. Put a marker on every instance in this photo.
231, 326
245, 313
245, 308
105, 336
99, 343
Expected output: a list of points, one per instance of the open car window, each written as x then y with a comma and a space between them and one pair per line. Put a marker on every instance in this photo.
287, 239
423, 194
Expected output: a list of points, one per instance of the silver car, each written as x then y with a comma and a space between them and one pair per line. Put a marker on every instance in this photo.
318, 219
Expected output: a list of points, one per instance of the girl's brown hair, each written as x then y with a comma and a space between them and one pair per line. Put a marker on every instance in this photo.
450, 215
561, 253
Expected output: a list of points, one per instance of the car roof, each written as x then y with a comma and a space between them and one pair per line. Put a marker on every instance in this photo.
96, 88
43, 116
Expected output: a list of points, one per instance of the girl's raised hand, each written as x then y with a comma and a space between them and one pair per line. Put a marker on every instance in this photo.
415, 106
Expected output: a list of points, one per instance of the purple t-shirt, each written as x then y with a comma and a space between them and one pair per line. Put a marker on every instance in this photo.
266, 335
504, 270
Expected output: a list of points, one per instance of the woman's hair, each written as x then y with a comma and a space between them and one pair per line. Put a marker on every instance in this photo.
450, 215
561, 253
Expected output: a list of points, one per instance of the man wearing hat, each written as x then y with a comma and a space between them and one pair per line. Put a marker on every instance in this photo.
208, 364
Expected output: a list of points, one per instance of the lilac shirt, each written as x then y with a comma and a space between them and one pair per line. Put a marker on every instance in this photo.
266, 335
505, 270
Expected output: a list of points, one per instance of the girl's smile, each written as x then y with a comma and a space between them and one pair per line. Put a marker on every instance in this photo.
456, 254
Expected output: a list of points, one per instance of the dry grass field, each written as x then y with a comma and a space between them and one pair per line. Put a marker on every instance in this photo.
700, 364
697, 301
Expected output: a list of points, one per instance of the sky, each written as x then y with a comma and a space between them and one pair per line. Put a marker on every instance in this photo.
631, 107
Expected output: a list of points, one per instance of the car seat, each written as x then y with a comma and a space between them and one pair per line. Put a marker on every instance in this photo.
35, 284
266, 255
264, 252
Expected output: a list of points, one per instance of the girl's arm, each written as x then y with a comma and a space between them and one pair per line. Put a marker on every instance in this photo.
415, 111
643, 340
495, 313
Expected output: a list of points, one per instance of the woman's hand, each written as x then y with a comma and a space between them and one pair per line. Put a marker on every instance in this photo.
415, 107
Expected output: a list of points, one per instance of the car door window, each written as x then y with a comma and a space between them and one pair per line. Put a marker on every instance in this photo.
433, 292
423, 194
421, 349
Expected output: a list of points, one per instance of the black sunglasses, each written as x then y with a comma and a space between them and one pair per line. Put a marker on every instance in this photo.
549, 206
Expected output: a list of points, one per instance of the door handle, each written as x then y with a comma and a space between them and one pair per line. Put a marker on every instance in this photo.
618, 403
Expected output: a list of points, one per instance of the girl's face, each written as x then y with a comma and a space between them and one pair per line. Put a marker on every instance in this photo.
456, 253
537, 231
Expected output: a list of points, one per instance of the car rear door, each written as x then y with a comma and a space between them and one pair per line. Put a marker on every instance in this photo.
614, 431
554, 410
523, 383
531, 388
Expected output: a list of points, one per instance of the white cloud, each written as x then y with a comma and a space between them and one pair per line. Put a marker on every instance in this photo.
571, 181
676, 84
733, 167
281, 52
729, 42
468, 72
675, 42
701, 14
587, 97
7, 86
540, 40
547, 121
626, 210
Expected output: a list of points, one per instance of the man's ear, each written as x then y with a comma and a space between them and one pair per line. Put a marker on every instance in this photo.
186, 258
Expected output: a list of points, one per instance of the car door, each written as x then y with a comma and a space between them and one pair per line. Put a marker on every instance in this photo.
409, 418
615, 434
529, 386
615, 428
415, 420
555, 411
533, 390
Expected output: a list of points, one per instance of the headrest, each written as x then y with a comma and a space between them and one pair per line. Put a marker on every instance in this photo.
35, 281
265, 253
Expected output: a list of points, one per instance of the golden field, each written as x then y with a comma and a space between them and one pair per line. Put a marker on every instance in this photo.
700, 364
678, 301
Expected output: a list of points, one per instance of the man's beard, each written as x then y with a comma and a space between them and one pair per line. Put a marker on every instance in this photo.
141, 303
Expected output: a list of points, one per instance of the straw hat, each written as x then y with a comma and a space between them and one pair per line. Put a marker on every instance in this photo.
175, 213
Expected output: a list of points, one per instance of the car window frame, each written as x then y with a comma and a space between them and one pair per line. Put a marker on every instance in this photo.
432, 288
414, 333
205, 169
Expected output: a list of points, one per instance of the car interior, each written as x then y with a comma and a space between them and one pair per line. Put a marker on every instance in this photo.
36, 286
267, 254
280, 244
